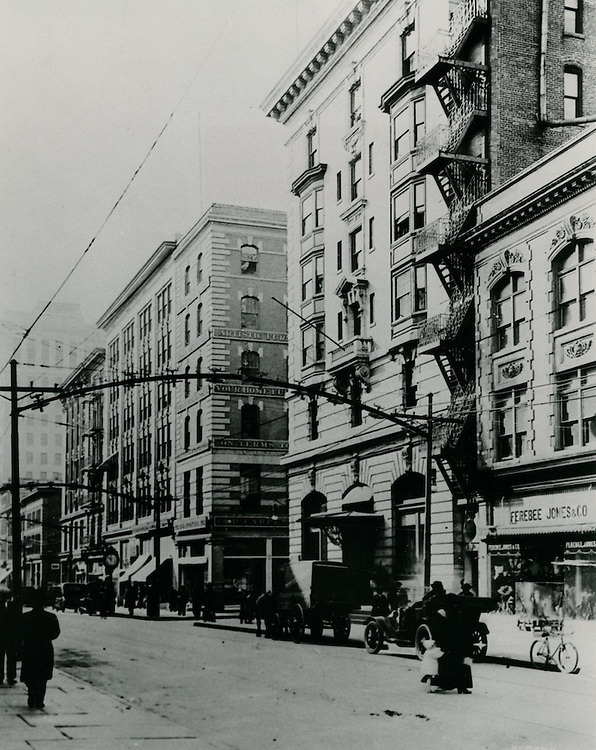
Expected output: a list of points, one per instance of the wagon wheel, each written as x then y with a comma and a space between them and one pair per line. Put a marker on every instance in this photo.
341, 628
479, 644
422, 634
316, 627
296, 623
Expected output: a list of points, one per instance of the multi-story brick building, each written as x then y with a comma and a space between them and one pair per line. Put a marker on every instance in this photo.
400, 116
40, 519
231, 523
82, 515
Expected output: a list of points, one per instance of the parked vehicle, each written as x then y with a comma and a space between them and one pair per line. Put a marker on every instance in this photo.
71, 597
411, 626
316, 595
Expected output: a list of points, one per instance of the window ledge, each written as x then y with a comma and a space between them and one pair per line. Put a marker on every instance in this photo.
573, 35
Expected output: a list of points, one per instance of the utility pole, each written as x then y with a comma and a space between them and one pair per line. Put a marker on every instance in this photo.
17, 570
428, 491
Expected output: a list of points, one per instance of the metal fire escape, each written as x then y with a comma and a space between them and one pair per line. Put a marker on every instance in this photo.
454, 154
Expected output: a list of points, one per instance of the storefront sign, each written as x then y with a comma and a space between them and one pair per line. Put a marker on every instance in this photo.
574, 510
248, 390
246, 334
240, 521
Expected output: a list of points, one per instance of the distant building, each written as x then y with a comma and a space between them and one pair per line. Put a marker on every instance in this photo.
82, 516
400, 116
41, 538
231, 520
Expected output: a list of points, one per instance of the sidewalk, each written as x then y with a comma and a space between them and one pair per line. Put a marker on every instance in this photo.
77, 716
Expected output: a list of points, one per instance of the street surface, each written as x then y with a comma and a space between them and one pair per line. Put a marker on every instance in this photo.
237, 691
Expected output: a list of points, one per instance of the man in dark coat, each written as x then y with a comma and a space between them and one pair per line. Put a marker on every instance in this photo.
9, 636
38, 629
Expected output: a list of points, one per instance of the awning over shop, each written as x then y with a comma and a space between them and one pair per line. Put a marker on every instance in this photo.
345, 518
516, 535
135, 566
575, 563
143, 573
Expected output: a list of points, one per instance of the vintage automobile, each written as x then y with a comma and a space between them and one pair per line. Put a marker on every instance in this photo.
411, 626
316, 594
71, 596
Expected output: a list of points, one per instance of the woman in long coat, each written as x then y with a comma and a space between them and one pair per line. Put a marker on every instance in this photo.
38, 629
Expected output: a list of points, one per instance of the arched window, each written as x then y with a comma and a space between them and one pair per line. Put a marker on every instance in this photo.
199, 319
407, 499
199, 369
574, 271
187, 330
199, 266
250, 362
248, 258
186, 433
187, 382
187, 280
249, 312
510, 311
199, 425
250, 421
314, 543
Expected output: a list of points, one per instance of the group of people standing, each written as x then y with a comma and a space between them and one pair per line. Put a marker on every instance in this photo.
28, 637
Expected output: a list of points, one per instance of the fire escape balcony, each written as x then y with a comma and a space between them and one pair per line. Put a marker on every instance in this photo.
431, 239
354, 353
438, 148
466, 19
447, 434
441, 330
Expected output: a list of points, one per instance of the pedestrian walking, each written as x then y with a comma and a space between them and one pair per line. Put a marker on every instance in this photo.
197, 601
182, 601
39, 628
264, 612
466, 589
209, 603
9, 635
130, 598
453, 635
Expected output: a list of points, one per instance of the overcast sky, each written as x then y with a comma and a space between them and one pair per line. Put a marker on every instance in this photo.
86, 87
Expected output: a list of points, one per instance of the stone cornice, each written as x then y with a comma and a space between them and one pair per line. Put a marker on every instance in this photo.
314, 174
395, 92
330, 43
538, 203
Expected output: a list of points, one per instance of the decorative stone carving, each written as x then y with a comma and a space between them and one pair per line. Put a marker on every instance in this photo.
512, 369
504, 262
570, 228
577, 348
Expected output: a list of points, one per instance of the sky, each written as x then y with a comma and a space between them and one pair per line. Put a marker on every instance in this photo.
87, 85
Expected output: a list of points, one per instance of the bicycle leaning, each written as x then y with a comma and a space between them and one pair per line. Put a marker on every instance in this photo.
563, 655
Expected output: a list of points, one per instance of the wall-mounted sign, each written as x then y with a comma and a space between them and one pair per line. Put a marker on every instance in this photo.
571, 510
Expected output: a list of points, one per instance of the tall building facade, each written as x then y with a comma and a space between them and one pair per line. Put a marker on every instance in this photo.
400, 116
81, 553
535, 247
138, 464
231, 523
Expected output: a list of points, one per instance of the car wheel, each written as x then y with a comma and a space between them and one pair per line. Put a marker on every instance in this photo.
373, 638
422, 634
479, 645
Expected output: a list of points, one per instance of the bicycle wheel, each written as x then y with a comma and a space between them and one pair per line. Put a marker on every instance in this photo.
540, 653
567, 657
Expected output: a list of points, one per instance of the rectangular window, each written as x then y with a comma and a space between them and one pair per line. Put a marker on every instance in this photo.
340, 326
356, 178
371, 307
339, 255
338, 186
311, 145
573, 17
319, 265
186, 495
370, 158
307, 214
401, 215
307, 347
319, 209
313, 418
576, 399
401, 135
572, 88
307, 284
419, 120
319, 341
356, 247
400, 285
419, 205
511, 423
419, 288
371, 233
355, 103
409, 387
199, 504
250, 487
408, 50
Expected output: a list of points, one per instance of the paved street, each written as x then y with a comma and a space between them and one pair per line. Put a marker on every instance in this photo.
232, 690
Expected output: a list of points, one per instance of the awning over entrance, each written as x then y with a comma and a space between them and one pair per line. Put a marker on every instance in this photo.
135, 566
357, 495
143, 573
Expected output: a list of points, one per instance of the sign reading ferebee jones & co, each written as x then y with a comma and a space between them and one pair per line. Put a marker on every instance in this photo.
575, 510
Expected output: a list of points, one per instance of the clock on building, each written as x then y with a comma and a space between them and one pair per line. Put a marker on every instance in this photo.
111, 558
